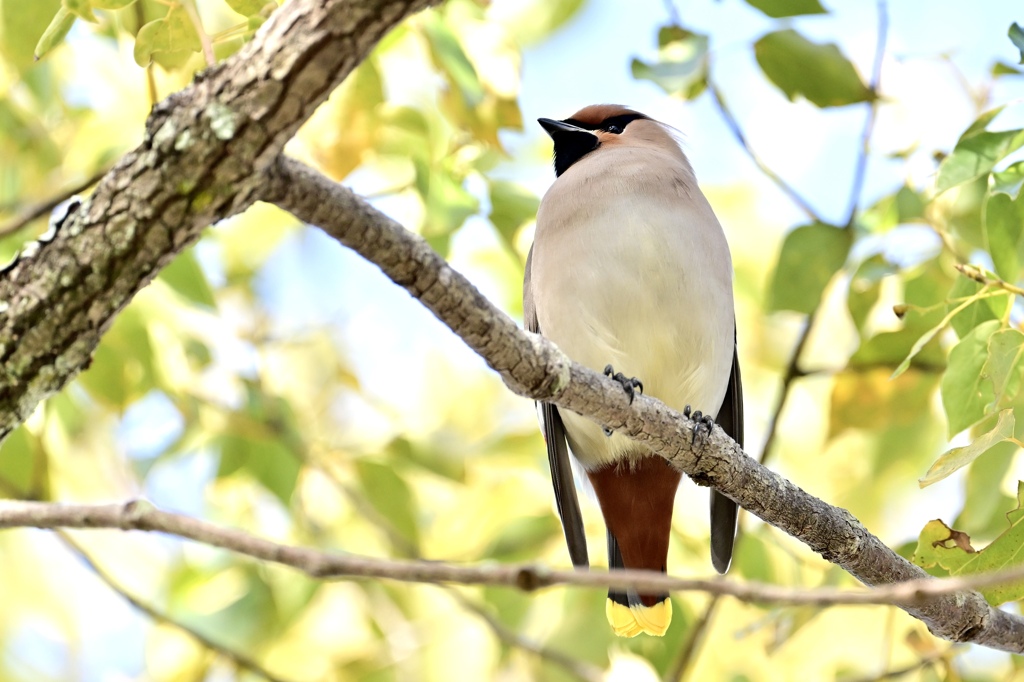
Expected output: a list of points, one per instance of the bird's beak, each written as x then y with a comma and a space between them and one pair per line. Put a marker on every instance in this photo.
557, 129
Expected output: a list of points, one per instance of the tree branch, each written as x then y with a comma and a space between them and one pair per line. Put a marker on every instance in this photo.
535, 368
199, 162
141, 515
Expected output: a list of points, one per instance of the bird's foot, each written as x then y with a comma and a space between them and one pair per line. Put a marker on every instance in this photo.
702, 429
631, 385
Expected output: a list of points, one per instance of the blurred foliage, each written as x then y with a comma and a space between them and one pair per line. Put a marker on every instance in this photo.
265, 382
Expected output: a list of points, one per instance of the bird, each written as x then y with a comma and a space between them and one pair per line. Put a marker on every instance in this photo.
630, 273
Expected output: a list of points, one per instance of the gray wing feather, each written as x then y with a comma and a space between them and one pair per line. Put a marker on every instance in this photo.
558, 452
724, 510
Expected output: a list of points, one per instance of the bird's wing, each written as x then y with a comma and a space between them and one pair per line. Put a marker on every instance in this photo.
723, 510
558, 451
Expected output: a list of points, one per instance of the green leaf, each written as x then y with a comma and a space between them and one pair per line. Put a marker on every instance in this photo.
17, 458
450, 58
1004, 221
188, 279
390, 495
511, 206
1004, 367
1009, 181
122, 368
682, 65
811, 255
818, 72
866, 287
81, 9
55, 33
247, 8
777, 9
930, 334
1016, 34
167, 40
944, 551
957, 458
448, 204
1004, 69
977, 152
966, 391
979, 309
269, 461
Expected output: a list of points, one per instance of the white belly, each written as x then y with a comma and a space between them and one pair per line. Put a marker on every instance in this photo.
646, 286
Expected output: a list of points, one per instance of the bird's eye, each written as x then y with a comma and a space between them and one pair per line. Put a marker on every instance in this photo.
615, 130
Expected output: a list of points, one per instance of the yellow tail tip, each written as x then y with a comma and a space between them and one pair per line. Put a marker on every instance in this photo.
630, 621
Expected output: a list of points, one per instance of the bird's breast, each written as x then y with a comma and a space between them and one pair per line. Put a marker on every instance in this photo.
637, 275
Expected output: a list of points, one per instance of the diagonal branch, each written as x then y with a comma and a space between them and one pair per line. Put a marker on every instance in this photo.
199, 162
535, 368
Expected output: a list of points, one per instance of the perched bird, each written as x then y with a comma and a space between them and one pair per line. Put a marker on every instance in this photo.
630, 270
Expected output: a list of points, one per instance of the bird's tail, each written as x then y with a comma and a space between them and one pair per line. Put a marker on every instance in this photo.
631, 613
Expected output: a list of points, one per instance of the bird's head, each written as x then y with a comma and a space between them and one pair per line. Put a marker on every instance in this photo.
602, 126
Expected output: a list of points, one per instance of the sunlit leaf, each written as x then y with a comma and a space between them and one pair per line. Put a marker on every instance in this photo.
247, 8
167, 40
188, 279
1004, 223
944, 551
682, 65
1009, 181
511, 207
390, 496
868, 399
449, 56
977, 152
787, 8
80, 8
978, 309
1001, 68
866, 287
820, 73
1003, 366
811, 255
957, 458
17, 460
55, 33
966, 392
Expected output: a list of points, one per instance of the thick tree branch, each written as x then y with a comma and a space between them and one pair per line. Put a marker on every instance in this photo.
535, 368
199, 162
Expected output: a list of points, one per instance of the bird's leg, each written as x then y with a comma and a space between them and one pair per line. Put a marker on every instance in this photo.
631, 385
702, 429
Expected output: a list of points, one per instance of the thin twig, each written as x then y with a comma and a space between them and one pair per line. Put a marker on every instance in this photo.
792, 373
579, 669
575, 667
925, 662
981, 276
38, 210
793, 366
737, 132
860, 170
687, 654
143, 516
239, 659
204, 38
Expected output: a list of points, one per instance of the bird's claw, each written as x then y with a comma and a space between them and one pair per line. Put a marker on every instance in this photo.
631, 385
705, 423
